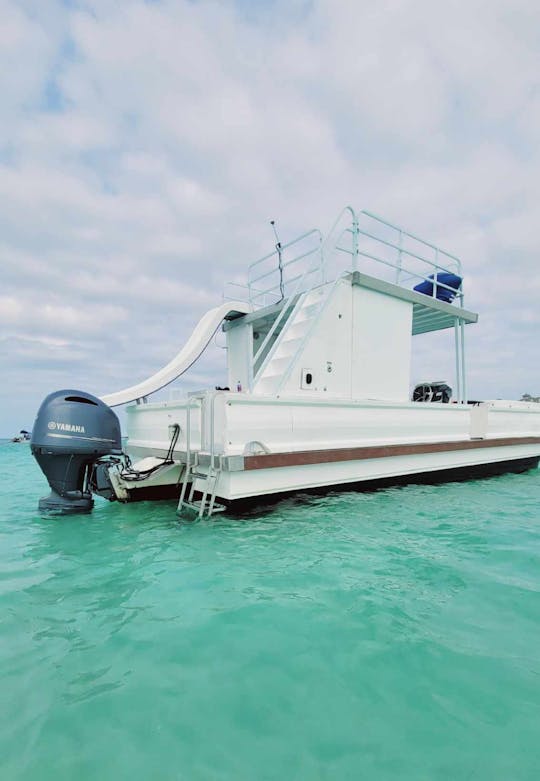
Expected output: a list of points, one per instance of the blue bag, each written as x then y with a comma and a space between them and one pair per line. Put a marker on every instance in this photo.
442, 293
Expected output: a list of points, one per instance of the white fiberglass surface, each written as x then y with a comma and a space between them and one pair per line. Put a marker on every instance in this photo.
195, 345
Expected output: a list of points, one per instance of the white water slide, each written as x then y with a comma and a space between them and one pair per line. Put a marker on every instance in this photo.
195, 345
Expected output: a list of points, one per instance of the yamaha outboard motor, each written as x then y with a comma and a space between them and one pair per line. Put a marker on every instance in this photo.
72, 430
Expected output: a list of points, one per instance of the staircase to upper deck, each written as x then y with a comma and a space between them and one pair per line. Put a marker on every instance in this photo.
283, 356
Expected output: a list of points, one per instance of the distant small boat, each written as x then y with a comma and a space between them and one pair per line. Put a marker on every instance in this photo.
22, 436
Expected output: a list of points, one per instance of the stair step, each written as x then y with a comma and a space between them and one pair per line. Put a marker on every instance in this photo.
290, 344
284, 351
303, 317
309, 305
278, 360
311, 300
292, 337
296, 329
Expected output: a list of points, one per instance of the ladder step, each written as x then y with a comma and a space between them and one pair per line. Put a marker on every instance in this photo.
196, 506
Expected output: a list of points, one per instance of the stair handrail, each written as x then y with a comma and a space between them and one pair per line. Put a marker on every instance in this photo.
315, 319
287, 301
268, 357
331, 239
323, 244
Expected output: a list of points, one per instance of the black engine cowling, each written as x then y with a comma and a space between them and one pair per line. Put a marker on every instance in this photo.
73, 429
432, 391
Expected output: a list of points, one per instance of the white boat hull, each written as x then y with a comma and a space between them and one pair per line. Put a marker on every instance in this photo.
265, 446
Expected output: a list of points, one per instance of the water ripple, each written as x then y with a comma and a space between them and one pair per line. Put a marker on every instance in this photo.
383, 635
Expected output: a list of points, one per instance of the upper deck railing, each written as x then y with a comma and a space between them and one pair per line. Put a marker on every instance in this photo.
365, 242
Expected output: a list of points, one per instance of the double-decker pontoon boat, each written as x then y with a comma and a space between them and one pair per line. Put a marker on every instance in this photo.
319, 348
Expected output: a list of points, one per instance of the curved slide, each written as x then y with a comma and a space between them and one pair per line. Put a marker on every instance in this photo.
195, 345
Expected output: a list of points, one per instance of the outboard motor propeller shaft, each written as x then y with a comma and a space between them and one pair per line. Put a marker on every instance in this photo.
73, 429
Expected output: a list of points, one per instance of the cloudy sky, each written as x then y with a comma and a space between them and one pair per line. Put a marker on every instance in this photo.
144, 146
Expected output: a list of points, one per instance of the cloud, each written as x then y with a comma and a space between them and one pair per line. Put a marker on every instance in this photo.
145, 146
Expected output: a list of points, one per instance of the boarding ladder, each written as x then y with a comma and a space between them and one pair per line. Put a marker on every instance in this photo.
206, 505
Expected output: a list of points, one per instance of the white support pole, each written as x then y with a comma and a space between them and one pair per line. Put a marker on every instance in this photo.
400, 258
355, 242
251, 358
463, 373
458, 361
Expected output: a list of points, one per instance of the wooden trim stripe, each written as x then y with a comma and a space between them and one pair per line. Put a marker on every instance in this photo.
303, 457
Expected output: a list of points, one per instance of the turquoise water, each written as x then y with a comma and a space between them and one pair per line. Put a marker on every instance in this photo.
391, 635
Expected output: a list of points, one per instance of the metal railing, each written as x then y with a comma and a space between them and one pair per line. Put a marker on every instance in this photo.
385, 247
315, 269
381, 247
321, 308
374, 246
273, 275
